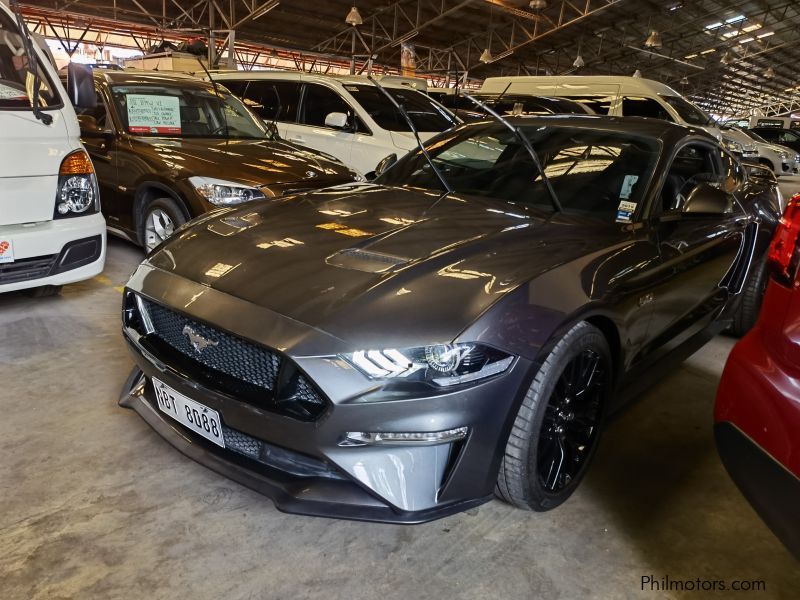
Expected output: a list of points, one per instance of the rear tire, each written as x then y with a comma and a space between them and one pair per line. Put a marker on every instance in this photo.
750, 304
558, 425
160, 218
45, 291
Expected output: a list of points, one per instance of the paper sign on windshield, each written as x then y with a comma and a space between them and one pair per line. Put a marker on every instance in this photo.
9, 93
148, 113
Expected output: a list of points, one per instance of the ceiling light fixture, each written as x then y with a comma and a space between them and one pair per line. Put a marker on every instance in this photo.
727, 58
769, 73
537, 5
354, 17
579, 62
637, 73
486, 56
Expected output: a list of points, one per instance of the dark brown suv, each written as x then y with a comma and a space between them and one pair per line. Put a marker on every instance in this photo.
169, 147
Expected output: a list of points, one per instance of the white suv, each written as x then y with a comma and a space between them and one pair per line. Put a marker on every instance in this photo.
347, 117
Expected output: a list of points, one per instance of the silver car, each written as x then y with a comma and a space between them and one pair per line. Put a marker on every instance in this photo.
782, 160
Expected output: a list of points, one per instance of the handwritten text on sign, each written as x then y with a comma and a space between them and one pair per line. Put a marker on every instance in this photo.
153, 114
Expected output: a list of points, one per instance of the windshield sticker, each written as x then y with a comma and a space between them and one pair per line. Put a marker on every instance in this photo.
148, 113
627, 186
9, 93
625, 211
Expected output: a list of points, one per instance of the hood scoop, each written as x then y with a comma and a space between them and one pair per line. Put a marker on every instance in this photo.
367, 261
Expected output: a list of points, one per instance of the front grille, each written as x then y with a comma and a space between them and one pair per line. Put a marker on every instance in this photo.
231, 355
26, 269
224, 362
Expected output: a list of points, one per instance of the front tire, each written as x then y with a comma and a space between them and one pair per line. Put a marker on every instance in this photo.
558, 425
161, 218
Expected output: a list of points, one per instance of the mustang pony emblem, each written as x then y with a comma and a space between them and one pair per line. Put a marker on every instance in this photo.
198, 342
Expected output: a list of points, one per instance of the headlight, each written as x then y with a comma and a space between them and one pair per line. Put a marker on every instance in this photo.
783, 155
77, 193
225, 193
440, 364
732, 146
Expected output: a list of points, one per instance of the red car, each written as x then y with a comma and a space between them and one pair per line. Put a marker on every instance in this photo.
757, 413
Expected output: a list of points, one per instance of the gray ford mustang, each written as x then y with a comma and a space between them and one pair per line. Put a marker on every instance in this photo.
391, 351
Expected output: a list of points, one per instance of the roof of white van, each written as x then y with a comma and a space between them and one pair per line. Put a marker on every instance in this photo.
557, 85
386, 80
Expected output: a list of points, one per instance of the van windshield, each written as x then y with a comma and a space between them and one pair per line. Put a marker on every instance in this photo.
424, 113
16, 82
687, 111
164, 110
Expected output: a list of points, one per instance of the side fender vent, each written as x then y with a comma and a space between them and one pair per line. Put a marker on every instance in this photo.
365, 260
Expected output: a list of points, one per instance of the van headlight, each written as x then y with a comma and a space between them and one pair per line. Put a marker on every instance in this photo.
440, 364
77, 193
225, 193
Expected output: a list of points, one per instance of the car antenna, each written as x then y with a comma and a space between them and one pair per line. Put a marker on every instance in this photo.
416, 135
525, 142
32, 66
218, 95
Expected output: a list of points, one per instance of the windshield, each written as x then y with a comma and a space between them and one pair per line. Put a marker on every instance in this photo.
515, 105
593, 173
16, 83
688, 111
425, 114
164, 110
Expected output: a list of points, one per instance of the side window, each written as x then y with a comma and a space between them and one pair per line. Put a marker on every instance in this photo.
99, 112
694, 164
599, 104
270, 100
318, 102
634, 106
732, 173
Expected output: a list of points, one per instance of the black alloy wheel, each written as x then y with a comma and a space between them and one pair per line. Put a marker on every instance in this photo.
559, 422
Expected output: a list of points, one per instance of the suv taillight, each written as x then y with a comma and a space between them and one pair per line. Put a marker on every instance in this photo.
783, 256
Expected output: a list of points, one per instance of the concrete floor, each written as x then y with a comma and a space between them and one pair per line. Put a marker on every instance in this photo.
94, 505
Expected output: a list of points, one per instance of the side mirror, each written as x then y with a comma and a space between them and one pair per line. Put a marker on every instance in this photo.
385, 164
707, 200
337, 120
80, 86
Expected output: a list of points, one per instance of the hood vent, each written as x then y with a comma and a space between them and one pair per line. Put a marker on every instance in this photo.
365, 260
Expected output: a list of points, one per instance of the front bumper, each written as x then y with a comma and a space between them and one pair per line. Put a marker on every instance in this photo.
42, 255
407, 483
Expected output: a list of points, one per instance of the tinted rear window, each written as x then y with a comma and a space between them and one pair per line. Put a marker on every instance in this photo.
270, 100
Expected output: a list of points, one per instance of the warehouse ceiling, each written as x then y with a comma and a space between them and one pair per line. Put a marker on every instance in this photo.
729, 56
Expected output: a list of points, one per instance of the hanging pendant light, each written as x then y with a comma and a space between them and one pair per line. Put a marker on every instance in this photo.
653, 40
354, 17
769, 73
637, 73
486, 56
727, 58
537, 5
684, 80
579, 62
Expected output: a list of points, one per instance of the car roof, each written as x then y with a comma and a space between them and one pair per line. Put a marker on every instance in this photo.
559, 85
139, 76
648, 127
385, 80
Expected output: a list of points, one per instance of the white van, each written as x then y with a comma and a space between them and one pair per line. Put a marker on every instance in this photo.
609, 95
51, 229
347, 117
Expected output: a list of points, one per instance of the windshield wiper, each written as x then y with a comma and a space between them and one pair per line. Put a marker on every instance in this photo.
32, 66
527, 144
416, 135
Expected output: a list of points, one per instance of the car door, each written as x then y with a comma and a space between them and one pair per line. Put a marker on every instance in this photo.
103, 150
317, 102
696, 249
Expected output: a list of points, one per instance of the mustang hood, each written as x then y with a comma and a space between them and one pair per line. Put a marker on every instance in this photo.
358, 259
253, 162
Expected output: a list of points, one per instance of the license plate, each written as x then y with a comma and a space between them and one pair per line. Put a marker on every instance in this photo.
187, 412
6, 251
